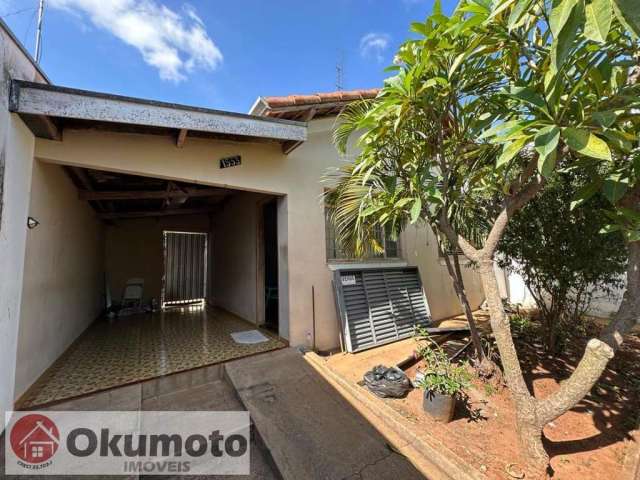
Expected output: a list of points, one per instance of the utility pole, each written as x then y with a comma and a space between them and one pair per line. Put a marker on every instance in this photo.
39, 31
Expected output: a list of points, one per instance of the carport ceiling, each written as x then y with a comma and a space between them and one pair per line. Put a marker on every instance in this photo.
118, 196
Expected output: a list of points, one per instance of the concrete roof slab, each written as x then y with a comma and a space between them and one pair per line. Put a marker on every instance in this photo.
34, 100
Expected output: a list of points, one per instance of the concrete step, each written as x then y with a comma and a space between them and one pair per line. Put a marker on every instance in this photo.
307, 426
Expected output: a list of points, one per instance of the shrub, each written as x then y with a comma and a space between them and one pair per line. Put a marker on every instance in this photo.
562, 255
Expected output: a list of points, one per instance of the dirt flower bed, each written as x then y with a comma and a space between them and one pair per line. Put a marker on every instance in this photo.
593, 440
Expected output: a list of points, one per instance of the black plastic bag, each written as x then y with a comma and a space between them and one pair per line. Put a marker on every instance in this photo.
387, 382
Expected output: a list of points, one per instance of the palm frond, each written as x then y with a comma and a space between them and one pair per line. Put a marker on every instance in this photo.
350, 120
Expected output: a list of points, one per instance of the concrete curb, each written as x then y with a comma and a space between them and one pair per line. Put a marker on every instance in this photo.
435, 460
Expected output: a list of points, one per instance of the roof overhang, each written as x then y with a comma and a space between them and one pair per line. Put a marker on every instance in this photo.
308, 107
48, 110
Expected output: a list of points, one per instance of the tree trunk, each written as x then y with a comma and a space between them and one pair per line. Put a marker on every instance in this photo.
532, 414
458, 286
528, 424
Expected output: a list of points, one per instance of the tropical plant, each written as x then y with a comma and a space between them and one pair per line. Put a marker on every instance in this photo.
561, 255
441, 376
485, 107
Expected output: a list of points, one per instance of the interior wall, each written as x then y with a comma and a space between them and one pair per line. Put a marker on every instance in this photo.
134, 249
63, 288
235, 249
16, 159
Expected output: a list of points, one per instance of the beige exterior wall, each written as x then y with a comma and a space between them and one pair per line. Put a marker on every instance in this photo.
421, 250
134, 249
16, 158
63, 287
264, 169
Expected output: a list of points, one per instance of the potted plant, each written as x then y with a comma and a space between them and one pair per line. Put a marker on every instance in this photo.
443, 382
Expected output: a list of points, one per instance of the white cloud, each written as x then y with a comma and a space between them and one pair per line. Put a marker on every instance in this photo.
373, 45
175, 44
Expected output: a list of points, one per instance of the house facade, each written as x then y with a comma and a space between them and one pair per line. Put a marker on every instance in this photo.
91, 183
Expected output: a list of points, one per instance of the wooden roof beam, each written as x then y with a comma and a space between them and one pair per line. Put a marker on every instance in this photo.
158, 213
182, 137
91, 195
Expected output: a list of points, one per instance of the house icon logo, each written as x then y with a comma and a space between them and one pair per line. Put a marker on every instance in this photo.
34, 438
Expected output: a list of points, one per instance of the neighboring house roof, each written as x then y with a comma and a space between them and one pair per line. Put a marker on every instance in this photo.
306, 107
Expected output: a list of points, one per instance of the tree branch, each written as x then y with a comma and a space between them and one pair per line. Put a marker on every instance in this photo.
571, 391
512, 205
456, 240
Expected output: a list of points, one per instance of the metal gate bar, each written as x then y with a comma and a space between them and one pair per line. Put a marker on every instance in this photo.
185, 267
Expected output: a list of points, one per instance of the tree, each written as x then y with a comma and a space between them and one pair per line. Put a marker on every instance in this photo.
561, 254
482, 110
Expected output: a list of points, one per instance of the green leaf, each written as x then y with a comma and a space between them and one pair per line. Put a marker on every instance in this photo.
622, 141
517, 13
505, 128
547, 139
628, 13
510, 150
497, 11
614, 190
416, 209
584, 194
546, 142
586, 143
402, 202
605, 119
560, 15
456, 64
599, 17
547, 163
528, 96
420, 28
564, 40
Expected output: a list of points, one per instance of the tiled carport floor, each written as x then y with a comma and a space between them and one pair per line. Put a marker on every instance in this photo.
141, 347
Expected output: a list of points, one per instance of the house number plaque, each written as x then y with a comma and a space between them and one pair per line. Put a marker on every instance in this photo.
230, 161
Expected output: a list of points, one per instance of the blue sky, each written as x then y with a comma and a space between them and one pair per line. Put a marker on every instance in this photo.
215, 53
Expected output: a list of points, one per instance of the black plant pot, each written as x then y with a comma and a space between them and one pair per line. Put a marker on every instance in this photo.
438, 406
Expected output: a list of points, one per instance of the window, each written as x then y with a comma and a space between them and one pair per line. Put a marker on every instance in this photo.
335, 251
37, 451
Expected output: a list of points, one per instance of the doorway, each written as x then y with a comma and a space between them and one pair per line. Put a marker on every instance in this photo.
185, 268
270, 249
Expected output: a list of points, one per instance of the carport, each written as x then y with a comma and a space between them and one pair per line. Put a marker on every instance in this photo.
207, 257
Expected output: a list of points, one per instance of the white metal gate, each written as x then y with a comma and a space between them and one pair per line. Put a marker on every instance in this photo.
185, 268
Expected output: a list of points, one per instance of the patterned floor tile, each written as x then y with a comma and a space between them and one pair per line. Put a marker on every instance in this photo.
142, 347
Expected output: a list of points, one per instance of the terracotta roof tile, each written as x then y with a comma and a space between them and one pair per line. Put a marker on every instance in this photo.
319, 98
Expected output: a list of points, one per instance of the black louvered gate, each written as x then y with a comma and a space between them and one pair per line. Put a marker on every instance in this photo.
185, 268
378, 306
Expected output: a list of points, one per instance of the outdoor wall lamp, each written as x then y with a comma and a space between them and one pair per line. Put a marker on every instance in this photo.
32, 223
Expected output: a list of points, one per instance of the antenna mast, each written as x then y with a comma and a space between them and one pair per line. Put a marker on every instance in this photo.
340, 72
39, 31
